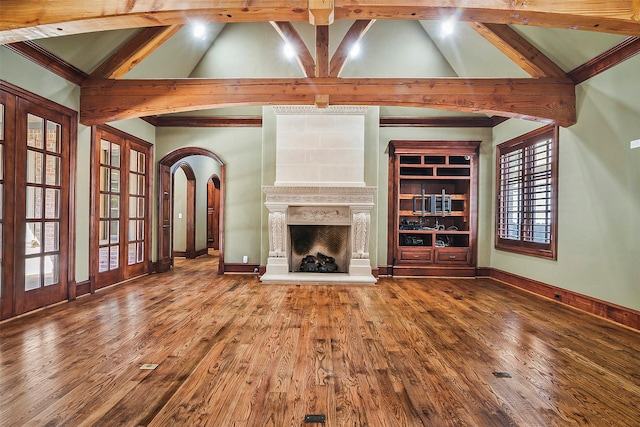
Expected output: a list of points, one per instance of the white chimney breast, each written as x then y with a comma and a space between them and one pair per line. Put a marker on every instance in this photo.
320, 146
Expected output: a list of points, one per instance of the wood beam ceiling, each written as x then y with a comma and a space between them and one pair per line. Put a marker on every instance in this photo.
31, 19
617, 54
322, 51
303, 57
321, 12
441, 122
522, 98
541, 99
134, 51
207, 122
356, 32
518, 49
39, 55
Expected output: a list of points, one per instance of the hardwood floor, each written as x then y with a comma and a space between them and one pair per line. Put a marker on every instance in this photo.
234, 352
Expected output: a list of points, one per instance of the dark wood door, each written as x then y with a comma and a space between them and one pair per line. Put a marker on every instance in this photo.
41, 206
121, 212
165, 255
7, 182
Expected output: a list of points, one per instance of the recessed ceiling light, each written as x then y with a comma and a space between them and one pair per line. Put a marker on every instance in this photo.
447, 27
289, 51
355, 50
199, 31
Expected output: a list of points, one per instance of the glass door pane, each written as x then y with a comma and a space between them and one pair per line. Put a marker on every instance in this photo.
136, 211
109, 210
43, 203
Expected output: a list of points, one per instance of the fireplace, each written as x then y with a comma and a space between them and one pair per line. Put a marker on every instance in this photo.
319, 201
319, 248
339, 208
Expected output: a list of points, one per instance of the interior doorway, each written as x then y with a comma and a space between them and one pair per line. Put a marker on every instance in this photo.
184, 206
167, 165
213, 212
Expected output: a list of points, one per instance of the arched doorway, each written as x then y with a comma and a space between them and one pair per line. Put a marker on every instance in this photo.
189, 229
213, 212
165, 214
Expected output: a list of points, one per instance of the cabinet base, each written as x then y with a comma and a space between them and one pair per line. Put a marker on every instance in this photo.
409, 270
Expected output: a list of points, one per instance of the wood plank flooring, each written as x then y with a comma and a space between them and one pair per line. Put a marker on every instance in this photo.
234, 352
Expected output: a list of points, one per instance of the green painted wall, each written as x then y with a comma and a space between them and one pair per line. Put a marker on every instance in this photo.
241, 151
599, 194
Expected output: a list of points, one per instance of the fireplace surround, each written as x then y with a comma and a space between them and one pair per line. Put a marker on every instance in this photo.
338, 206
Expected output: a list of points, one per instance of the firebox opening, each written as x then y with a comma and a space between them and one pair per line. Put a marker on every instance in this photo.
320, 242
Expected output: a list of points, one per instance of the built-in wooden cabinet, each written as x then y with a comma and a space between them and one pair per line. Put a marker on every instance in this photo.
433, 208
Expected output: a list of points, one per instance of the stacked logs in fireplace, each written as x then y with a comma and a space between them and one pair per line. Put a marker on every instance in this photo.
319, 263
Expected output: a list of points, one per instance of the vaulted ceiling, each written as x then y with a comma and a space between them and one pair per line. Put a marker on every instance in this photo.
505, 59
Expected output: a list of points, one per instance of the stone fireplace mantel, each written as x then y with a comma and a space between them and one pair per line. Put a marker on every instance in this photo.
311, 205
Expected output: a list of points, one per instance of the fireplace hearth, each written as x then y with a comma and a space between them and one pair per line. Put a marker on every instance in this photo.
301, 218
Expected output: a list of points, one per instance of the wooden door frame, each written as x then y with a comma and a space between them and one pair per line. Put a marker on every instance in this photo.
213, 180
168, 162
190, 250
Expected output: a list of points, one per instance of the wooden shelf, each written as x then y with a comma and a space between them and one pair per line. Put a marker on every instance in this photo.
429, 168
411, 214
453, 196
433, 232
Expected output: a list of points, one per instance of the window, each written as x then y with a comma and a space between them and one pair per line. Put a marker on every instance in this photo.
527, 189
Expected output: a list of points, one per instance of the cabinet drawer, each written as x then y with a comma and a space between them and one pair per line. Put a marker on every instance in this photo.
418, 256
452, 256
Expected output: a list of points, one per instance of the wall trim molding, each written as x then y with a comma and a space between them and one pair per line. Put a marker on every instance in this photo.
200, 252
231, 267
607, 310
83, 288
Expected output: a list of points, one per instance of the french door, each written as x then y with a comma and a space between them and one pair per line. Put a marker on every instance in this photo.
121, 166
35, 197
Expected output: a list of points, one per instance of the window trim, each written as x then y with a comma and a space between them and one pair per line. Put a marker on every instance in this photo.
543, 250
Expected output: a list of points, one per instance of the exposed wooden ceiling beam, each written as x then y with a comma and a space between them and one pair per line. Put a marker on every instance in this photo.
36, 53
322, 51
542, 99
32, 19
321, 12
133, 52
208, 122
440, 122
617, 54
518, 49
355, 33
303, 57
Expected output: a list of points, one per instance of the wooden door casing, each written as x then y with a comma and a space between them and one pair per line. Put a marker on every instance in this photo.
165, 256
213, 213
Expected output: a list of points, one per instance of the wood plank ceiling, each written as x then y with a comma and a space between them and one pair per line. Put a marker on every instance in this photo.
547, 96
